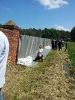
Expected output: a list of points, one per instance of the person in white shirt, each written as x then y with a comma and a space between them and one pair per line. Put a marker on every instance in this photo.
39, 54
4, 50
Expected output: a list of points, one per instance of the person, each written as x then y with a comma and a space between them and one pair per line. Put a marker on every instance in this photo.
39, 54
4, 50
53, 43
66, 45
60, 45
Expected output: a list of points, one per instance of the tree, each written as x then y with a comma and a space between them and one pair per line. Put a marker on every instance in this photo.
0, 25
64, 34
73, 34
46, 33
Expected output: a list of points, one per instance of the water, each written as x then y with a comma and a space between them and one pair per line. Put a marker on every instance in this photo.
66, 67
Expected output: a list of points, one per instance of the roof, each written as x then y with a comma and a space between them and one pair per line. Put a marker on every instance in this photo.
10, 25
10, 22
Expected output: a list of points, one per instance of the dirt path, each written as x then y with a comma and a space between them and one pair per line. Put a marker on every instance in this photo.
59, 84
56, 84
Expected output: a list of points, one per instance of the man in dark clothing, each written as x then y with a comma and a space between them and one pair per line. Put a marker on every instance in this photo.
60, 44
53, 43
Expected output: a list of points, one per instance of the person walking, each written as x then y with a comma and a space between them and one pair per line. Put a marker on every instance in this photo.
60, 45
66, 43
4, 50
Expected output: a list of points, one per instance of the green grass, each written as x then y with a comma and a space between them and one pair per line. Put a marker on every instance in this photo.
46, 81
71, 52
41, 66
21, 80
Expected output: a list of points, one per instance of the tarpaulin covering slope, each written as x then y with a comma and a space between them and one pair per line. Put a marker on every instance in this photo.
28, 48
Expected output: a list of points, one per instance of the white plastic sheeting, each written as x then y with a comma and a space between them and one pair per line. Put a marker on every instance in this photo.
28, 47
25, 61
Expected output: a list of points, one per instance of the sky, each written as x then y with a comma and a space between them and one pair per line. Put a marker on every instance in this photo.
39, 14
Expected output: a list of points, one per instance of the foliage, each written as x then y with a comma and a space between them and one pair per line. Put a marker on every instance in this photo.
65, 35
46, 33
0, 25
73, 34
71, 52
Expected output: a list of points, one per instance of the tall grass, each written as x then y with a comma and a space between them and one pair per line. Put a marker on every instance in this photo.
71, 52
24, 83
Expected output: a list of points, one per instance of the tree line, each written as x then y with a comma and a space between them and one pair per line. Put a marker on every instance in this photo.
46, 33
49, 33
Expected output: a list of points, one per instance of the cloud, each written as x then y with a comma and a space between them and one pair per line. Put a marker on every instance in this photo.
52, 4
61, 28
4, 8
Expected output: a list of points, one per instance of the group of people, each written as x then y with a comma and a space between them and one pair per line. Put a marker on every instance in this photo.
57, 44
4, 51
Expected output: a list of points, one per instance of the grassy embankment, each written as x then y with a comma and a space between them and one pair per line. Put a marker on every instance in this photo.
46, 81
71, 52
